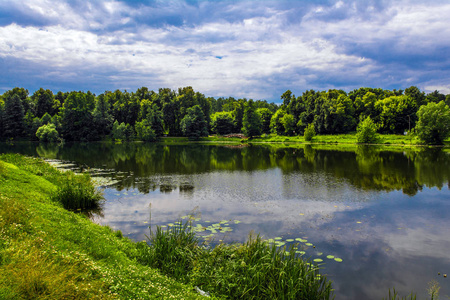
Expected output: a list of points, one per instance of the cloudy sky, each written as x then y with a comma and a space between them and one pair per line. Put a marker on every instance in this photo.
240, 48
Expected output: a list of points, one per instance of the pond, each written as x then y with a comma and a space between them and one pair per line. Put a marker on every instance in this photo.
376, 218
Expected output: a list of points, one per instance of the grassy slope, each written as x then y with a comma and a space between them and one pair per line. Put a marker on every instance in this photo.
47, 252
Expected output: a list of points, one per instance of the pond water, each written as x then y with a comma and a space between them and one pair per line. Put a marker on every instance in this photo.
377, 218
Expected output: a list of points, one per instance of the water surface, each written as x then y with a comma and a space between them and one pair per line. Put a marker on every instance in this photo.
383, 211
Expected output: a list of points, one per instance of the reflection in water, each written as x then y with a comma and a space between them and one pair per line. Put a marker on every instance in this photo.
384, 212
365, 167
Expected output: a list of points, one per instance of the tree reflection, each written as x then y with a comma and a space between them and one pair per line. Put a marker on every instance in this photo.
364, 167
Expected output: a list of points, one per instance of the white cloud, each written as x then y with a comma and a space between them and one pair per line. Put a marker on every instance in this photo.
333, 43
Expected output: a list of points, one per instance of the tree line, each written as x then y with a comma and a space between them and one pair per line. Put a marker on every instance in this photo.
147, 115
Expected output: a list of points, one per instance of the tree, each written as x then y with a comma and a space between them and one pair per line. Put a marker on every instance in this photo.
251, 122
288, 122
144, 131
276, 125
310, 132
44, 102
102, 118
366, 132
13, 119
47, 133
266, 116
194, 124
433, 126
222, 122
77, 121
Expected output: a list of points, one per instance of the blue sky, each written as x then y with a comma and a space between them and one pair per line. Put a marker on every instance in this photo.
240, 48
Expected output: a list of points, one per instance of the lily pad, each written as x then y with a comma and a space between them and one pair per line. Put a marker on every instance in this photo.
278, 238
308, 244
318, 260
338, 259
330, 256
289, 240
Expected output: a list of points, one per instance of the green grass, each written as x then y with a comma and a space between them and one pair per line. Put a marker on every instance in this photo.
254, 270
47, 252
349, 138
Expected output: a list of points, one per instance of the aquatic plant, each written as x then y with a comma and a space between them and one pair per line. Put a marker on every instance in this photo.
251, 270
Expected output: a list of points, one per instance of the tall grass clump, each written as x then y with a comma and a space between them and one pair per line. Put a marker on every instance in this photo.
253, 270
76, 192
174, 250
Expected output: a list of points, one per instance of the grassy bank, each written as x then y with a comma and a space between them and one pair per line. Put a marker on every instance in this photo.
48, 252
350, 138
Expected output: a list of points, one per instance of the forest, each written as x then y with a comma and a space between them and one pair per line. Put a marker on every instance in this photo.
148, 115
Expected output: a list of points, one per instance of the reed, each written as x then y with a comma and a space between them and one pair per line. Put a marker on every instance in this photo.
253, 270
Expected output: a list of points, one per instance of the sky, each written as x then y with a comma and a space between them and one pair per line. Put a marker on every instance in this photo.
225, 48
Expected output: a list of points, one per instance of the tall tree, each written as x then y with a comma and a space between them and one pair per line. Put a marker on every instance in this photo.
13, 119
77, 121
194, 123
44, 101
251, 122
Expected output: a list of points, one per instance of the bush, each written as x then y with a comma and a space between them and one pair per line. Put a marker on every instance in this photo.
310, 132
433, 126
366, 131
77, 192
47, 133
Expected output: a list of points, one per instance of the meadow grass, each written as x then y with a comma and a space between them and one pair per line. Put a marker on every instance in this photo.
253, 270
48, 252
348, 138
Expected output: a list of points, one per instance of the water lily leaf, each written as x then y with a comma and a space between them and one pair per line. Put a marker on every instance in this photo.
278, 238
170, 224
308, 244
289, 240
338, 259
318, 260
330, 256
237, 221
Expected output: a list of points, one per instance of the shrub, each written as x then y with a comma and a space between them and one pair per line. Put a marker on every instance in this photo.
47, 133
77, 192
310, 132
366, 131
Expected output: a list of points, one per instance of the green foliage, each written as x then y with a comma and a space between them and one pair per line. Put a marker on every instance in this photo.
194, 124
310, 132
44, 102
254, 270
122, 131
433, 126
366, 131
251, 123
13, 118
76, 119
222, 122
266, 115
288, 122
396, 114
276, 125
47, 133
145, 132
77, 192
46, 118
